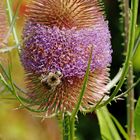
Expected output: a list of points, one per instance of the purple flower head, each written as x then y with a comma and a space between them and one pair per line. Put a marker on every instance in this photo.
52, 49
56, 52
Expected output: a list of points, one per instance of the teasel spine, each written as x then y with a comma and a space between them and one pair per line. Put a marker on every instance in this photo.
61, 13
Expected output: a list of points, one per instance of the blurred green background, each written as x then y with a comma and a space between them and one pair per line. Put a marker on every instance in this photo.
24, 125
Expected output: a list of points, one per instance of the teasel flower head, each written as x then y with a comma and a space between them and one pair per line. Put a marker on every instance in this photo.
58, 36
3, 23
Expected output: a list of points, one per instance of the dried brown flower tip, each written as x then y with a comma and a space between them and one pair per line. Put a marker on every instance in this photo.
64, 13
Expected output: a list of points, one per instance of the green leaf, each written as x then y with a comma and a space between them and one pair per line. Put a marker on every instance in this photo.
125, 135
137, 119
75, 111
107, 127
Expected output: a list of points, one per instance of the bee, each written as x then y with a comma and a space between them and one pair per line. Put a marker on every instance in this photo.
51, 80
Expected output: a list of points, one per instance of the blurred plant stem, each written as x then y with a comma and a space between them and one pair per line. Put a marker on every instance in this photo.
12, 20
130, 29
66, 127
130, 105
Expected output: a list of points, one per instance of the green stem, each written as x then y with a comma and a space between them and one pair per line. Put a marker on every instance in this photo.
130, 97
130, 105
126, 21
114, 81
131, 40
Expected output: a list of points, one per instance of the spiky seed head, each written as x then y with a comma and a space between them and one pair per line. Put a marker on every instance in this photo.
3, 23
58, 36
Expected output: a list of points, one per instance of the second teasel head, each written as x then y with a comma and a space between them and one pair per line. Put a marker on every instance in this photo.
3, 23
58, 36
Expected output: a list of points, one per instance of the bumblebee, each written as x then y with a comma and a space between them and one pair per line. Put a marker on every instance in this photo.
51, 80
